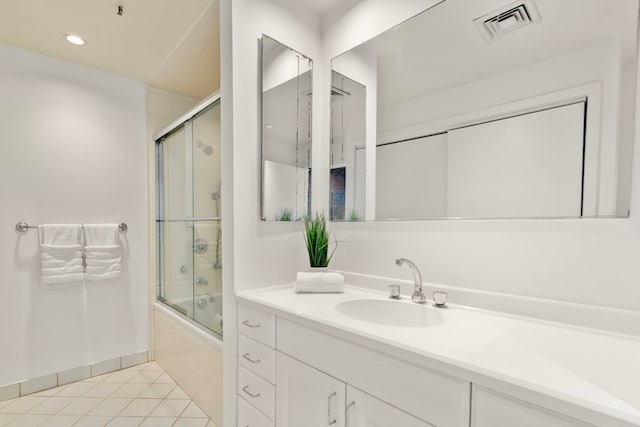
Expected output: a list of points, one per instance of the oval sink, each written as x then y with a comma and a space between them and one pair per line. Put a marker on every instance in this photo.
391, 313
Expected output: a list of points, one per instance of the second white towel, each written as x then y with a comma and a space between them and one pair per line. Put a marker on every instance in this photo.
319, 282
103, 257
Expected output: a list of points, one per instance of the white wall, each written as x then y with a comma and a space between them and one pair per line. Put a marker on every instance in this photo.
255, 253
585, 261
267, 253
73, 151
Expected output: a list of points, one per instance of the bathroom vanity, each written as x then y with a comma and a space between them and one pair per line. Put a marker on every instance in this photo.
360, 359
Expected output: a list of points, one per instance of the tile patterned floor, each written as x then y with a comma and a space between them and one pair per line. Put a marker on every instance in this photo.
142, 395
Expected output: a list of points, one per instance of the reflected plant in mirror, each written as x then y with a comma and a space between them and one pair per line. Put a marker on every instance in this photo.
286, 132
489, 109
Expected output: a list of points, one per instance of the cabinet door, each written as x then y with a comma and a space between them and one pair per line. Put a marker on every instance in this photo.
492, 409
364, 410
306, 397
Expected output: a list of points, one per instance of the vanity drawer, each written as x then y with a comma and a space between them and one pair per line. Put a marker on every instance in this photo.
257, 324
248, 416
439, 399
257, 357
257, 391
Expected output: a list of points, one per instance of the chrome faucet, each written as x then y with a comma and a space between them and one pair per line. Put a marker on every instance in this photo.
418, 296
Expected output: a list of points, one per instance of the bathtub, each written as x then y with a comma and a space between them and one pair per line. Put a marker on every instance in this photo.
190, 352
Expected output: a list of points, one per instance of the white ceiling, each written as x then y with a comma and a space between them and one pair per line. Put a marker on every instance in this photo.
168, 44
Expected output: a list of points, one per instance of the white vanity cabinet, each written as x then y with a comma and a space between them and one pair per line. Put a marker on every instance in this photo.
297, 376
256, 367
363, 410
306, 397
492, 409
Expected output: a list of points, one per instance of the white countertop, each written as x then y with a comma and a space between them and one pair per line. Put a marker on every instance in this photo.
591, 369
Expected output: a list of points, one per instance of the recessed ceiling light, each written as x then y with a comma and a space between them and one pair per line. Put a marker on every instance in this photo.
76, 40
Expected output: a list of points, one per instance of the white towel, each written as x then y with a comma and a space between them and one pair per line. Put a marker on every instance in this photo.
61, 262
103, 257
101, 234
321, 282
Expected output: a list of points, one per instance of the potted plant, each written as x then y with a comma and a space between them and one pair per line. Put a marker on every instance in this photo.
316, 238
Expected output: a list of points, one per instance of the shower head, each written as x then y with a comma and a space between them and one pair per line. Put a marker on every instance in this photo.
206, 149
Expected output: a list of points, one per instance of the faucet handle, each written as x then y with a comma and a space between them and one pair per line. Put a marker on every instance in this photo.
439, 298
394, 291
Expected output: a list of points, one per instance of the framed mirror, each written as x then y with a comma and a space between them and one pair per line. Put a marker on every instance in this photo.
286, 81
491, 109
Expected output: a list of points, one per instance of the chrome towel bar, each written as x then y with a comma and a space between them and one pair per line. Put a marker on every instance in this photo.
23, 227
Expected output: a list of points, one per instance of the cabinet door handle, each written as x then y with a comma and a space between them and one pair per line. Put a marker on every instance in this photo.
246, 390
331, 420
249, 324
349, 405
248, 357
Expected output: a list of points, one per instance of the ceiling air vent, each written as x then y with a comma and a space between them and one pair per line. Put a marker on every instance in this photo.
507, 19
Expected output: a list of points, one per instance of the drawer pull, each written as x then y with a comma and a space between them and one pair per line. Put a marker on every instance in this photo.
247, 357
331, 420
249, 324
349, 405
246, 390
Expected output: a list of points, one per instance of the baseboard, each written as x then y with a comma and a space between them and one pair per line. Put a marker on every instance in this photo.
45, 382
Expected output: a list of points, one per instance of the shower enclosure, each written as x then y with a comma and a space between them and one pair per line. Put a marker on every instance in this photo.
188, 216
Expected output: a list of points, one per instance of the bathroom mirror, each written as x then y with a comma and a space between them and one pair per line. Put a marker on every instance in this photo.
491, 109
286, 132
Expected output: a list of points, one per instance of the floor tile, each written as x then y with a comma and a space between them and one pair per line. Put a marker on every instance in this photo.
49, 392
97, 379
178, 393
5, 403
193, 411
146, 377
75, 389
103, 389
52, 405
164, 379
170, 408
130, 390
111, 406
28, 420
80, 406
140, 407
158, 391
23, 404
93, 421
153, 366
60, 421
125, 422
142, 395
158, 422
191, 422
121, 376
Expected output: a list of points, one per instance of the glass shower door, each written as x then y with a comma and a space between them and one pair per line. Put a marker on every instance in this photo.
206, 211
188, 219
